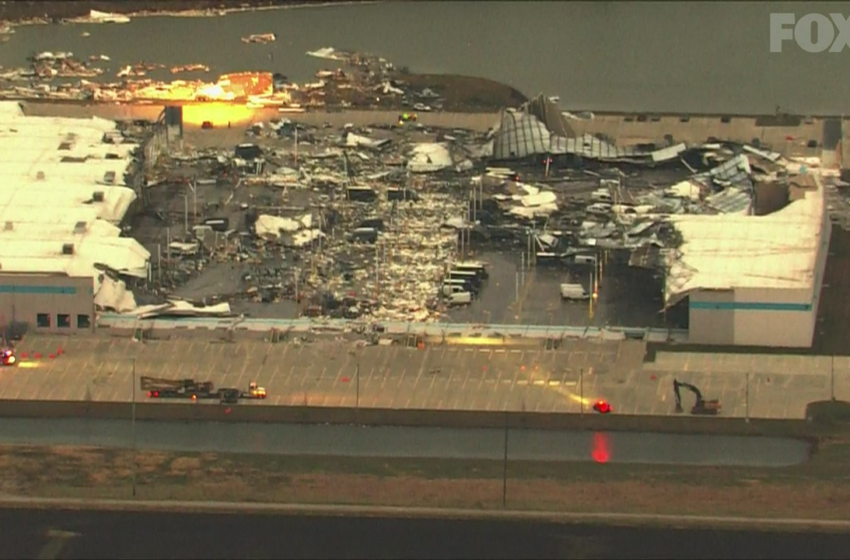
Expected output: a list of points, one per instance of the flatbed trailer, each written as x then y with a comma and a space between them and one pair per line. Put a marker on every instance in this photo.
190, 389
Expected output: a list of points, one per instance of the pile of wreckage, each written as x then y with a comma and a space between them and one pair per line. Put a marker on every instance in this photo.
362, 81
365, 221
348, 228
621, 197
388, 258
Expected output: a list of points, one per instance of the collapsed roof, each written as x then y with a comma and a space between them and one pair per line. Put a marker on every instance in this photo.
738, 250
539, 127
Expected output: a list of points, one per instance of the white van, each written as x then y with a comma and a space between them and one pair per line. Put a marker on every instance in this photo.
478, 268
601, 195
473, 278
599, 208
460, 298
585, 260
574, 292
450, 288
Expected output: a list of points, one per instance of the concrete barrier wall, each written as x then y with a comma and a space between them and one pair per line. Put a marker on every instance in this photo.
126, 325
205, 412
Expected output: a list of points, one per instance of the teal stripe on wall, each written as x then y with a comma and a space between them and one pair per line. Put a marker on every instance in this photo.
40, 290
749, 306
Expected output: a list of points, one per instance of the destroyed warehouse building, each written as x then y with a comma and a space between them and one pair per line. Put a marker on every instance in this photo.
371, 223
339, 223
738, 233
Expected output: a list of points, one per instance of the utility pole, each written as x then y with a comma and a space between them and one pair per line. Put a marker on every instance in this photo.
186, 214
747, 399
480, 192
133, 423
296, 273
832, 379
581, 390
505, 466
516, 296
522, 269
469, 222
357, 387
377, 273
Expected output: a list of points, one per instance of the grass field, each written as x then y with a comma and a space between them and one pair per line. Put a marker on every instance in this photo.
817, 489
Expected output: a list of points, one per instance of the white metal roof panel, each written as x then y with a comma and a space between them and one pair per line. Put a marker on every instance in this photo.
740, 251
50, 168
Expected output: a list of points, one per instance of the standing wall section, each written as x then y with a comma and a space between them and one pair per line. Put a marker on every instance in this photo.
46, 303
774, 317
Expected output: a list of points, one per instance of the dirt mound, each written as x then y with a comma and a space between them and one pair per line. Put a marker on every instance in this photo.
466, 93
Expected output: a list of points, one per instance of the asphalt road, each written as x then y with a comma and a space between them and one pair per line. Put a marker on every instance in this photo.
398, 442
71, 534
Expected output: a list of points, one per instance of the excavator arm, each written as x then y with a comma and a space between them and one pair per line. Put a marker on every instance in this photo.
701, 406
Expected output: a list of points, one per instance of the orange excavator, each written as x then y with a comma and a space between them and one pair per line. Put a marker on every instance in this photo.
702, 406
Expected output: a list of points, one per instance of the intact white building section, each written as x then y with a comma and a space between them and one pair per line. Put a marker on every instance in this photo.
62, 196
742, 251
752, 280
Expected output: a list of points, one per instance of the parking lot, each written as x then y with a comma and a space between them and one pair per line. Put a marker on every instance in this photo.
524, 376
627, 296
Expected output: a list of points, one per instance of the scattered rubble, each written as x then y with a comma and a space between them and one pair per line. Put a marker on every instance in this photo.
329, 53
367, 222
101, 17
260, 39
362, 81
358, 222
189, 68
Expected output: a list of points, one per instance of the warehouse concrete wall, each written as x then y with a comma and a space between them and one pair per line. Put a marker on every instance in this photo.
46, 303
770, 317
752, 317
820, 265
774, 317
710, 320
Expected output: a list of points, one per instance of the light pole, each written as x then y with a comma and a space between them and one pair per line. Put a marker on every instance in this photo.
186, 214
505, 466
194, 186
832, 379
516, 287
296, 272
133, 424
581, 390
